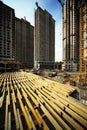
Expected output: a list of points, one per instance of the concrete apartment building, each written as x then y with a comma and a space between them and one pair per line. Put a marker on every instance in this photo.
24, 43
7, 35
71, 35
16, 40
44, 39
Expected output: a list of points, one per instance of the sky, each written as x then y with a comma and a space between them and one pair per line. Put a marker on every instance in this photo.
27, 8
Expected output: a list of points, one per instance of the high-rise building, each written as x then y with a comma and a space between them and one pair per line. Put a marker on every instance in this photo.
44, 39
71, 35
83, 35
24, 43
7, 32
7, 37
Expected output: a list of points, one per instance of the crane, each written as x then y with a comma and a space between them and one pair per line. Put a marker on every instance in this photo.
36, 4
60, 2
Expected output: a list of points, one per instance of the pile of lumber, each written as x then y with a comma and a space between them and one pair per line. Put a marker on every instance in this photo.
28, 101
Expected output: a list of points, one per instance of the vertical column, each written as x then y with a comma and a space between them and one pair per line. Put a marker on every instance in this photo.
68, 34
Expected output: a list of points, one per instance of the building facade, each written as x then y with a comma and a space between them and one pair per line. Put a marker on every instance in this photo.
44, 39
7, 32
71, 35
7, 36
24, 43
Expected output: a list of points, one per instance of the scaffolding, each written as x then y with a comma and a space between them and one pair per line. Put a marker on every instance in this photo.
83, 37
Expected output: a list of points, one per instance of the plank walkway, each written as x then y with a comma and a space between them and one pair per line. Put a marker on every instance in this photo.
31, 102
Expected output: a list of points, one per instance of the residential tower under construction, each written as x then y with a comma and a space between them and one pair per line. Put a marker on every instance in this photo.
7, 35
24, 40
44, 39
71, 35
75, 35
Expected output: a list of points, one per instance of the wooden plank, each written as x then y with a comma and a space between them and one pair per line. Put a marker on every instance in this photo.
32, 93
77, 117
8, 95
50, 117
63, 114
33, 125
15, 112
47, 104
6, 114
9, 121
72, 107
60, 105
45, 127
32, 110
79, 105
24, 111
75, 103
19, 119
2, 98
29, 94
73, 114
78, 111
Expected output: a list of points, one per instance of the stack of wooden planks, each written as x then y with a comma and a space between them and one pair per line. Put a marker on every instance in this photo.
28, 101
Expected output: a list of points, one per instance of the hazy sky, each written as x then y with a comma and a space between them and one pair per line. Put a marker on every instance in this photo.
27, 8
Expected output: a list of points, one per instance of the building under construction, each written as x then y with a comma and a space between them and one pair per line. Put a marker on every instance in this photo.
44, 51
24, 40
75, 35
83, 36
7, 36
16, 41
71, 35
